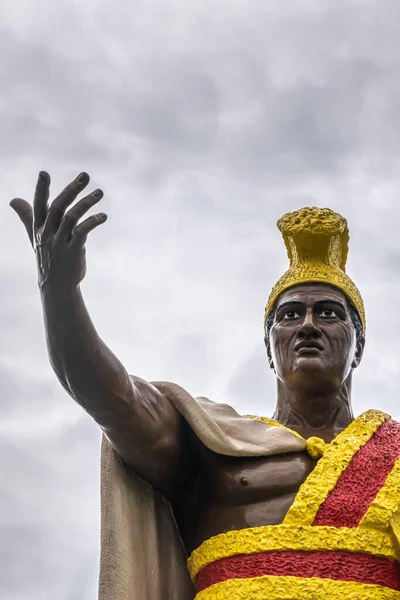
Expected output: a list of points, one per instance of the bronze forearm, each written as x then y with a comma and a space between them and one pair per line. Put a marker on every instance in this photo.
85, 366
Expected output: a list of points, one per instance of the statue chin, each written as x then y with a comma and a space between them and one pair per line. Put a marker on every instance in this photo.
311, 374
308, 364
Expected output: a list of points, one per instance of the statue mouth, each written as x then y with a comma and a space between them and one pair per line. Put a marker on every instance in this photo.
309, 348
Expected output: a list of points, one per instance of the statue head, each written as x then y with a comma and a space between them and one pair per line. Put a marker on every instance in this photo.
315, 320
314, 337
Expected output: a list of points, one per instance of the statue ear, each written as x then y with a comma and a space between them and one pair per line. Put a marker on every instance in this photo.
269, 354
359, 352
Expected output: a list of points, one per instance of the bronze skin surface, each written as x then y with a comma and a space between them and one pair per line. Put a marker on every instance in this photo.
312, 347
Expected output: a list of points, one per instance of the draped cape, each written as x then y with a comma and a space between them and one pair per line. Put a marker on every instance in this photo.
142, 555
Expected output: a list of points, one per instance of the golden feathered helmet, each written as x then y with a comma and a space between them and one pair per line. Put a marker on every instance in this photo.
317, 243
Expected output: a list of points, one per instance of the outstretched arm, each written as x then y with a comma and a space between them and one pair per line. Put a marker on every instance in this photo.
143, 426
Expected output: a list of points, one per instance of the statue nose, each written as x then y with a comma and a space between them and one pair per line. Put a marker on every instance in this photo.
309, 329
309, 333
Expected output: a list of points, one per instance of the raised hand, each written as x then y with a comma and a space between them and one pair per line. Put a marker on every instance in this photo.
56, 237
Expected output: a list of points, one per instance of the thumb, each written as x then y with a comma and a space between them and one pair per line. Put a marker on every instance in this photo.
24, 211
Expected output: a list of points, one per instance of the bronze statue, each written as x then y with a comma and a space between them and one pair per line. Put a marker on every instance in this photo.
303, 505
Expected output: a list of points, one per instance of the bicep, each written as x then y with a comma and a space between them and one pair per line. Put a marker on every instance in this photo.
150, 436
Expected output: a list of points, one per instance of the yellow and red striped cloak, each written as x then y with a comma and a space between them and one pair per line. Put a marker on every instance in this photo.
339, 539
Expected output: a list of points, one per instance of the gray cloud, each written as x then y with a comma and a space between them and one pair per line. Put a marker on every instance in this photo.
203, 123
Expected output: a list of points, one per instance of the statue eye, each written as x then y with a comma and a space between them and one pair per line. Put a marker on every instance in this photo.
290, 314
327, 313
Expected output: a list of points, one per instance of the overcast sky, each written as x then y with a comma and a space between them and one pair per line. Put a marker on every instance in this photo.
203, 122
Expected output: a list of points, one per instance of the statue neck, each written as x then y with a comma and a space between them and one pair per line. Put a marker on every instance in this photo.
313, 412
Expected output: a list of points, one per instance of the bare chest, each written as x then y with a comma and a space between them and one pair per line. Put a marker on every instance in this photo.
236, 481
235, 493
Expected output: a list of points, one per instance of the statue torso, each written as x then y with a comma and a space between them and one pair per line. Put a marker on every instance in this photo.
234, 493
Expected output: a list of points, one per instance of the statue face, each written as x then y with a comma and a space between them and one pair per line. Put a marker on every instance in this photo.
313, 340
